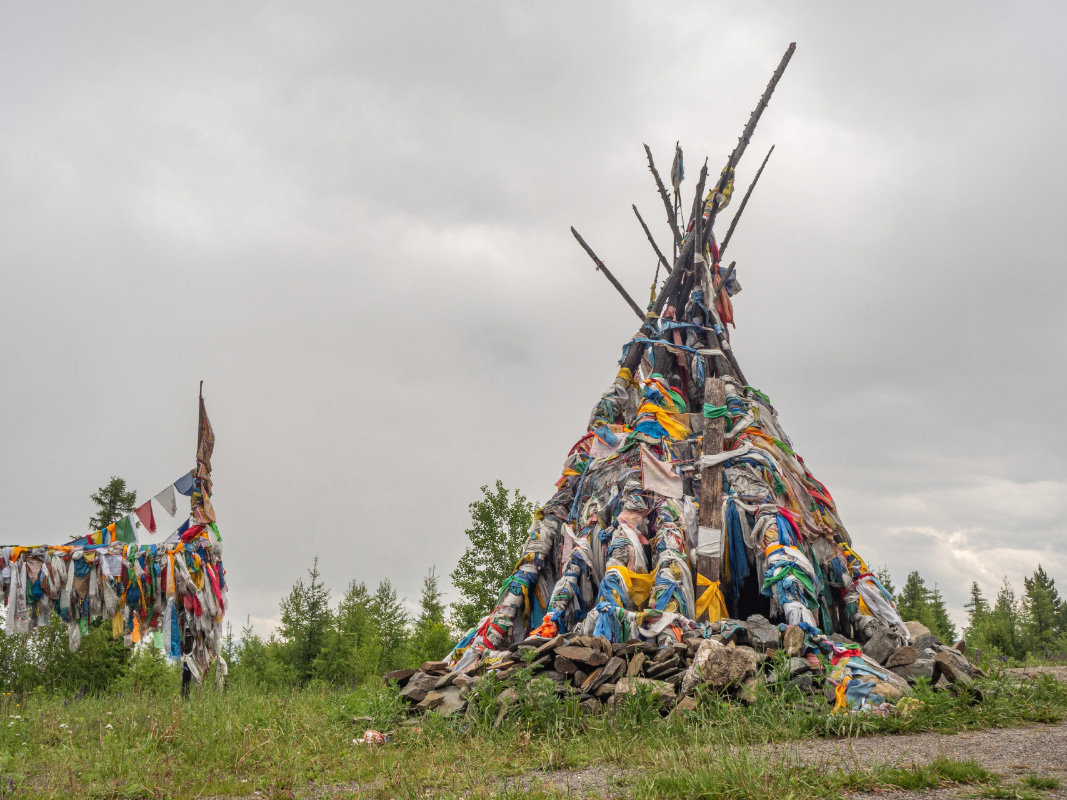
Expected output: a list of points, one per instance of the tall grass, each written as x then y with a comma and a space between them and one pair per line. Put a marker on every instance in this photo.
149, 743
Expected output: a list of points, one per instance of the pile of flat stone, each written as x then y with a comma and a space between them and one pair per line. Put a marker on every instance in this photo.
734, 660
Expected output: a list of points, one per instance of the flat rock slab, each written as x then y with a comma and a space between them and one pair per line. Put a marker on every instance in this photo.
663, 690
919, 668
565, 665
399, 676
582, 655
418, 686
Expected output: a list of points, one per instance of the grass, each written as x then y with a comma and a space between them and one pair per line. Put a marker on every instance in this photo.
1040, 782
743, 776
281, 745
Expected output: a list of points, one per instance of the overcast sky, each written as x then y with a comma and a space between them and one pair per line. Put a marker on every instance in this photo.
350, 220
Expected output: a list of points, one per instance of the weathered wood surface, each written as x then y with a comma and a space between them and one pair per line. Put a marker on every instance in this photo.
666, 200
710, 515
744, 202
651, 241
607, 274
746, 134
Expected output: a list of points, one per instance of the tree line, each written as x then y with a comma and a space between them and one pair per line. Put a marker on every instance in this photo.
368, 633
371, 633
1030, 625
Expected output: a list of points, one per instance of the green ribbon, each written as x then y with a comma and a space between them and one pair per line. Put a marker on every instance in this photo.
714, 412
783, 446
758, 394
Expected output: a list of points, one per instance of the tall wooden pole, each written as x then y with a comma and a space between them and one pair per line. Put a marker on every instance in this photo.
746, 134
710, 514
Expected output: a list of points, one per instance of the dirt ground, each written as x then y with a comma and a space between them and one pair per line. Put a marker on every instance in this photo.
1009, 752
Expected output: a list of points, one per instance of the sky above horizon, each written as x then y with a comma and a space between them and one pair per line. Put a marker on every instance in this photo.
351, 221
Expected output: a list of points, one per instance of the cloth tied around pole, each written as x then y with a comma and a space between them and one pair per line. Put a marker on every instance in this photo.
710, 601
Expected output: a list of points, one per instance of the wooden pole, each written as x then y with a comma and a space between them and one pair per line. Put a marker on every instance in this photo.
697, 214
666, 200
607, 274
725, 280
744, 202
662, 258
677, 170
710, 515
746, 134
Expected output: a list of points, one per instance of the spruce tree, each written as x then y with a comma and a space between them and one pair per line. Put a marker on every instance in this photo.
391, 621
886, 579
431, 639
1044, 609
1005, 622
977, 607
942, 624
306, 621
353, 649
913, 600
113, 502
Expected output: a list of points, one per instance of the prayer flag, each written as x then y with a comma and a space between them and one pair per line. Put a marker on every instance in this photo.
167, 500
123, 530
185, 484
148, 519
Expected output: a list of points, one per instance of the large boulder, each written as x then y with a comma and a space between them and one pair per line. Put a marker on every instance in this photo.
919, 668
902, 657
916, 629
762, 635
663, 690
418, 686
694, 676
728, 666
793, 641
891, 690
883, 642
955, 667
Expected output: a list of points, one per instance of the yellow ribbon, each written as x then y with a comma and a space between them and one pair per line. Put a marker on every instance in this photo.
710, 601
841, 700
638, 584
672, 422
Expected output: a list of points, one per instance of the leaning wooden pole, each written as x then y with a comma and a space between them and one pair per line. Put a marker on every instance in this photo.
651, 241
744, 202
607, 274
666, 200
746, 135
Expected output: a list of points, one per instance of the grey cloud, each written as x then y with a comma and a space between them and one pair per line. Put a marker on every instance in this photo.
351, 221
